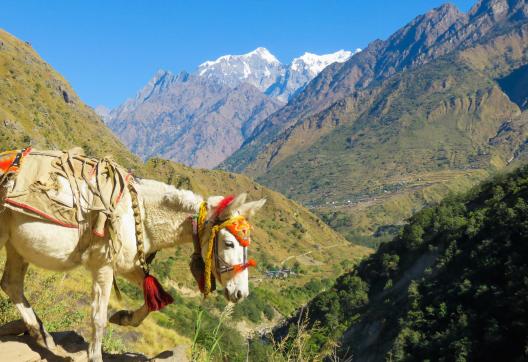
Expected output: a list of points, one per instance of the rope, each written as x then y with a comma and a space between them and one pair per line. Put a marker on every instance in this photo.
139, 230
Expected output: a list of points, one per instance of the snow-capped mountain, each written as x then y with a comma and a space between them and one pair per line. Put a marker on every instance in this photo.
259, 68
313, 64
302, 70
263, 70
200, 119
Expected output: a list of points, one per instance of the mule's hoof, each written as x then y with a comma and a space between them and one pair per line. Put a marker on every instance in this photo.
46, 342
122, 318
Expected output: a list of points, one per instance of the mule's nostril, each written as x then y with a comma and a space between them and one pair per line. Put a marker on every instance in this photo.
239, 295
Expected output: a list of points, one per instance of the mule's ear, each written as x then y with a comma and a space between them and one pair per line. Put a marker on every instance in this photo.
233, 206
213, 201
250, 209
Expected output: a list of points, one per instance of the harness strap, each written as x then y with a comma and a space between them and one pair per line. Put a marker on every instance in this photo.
201, 269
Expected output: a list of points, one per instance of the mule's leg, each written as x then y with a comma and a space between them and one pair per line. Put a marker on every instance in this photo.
4, 221
13, 285
127, 317
102, 286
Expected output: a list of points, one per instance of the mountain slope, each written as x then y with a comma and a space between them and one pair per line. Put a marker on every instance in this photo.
441, 115
402, 123
428, 37
38, 107
450, 286
190, 119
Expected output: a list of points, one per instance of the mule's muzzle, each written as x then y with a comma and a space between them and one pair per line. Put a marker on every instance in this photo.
235, 296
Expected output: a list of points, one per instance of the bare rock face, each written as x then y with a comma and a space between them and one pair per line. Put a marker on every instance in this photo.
190, 119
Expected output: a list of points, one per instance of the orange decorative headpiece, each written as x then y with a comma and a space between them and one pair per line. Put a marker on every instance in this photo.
240, 229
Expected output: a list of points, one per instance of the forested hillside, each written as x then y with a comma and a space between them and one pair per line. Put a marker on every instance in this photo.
451, 286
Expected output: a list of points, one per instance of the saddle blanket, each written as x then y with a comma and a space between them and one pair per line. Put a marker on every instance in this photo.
64, 187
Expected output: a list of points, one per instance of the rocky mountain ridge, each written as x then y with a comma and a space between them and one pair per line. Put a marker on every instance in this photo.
404, 117
190, 119
200, 119
430, 36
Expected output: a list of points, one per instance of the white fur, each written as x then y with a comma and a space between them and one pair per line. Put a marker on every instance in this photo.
165, 213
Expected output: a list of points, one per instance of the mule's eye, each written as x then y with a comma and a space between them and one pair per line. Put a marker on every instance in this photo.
229, 244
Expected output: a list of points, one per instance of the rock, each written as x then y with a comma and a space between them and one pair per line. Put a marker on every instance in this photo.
65, 95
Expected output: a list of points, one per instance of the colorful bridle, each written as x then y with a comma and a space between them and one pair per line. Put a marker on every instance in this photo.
239, 227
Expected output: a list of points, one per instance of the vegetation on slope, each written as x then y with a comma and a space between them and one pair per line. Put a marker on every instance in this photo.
38, 107
361, 138
451, 286
427, 131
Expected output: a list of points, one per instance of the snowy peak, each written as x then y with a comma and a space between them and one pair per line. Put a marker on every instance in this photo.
302, 70
314, 63
259, 68
260, 53
264, 54
263, 70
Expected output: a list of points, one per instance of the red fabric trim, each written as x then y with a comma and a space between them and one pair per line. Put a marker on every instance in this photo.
127, 178
40, 213
100, 235
155, 296
27, 151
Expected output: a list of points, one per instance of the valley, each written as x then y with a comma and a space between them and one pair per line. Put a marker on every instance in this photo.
442, 114
395, 226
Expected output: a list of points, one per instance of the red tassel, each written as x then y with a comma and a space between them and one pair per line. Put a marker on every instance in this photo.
155, 297
223, 204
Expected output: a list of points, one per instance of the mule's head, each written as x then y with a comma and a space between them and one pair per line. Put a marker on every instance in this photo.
230, 249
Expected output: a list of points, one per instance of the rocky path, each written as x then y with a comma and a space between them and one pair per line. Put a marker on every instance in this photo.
24, 349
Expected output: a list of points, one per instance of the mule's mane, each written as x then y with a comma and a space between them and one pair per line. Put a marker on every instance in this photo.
158, 193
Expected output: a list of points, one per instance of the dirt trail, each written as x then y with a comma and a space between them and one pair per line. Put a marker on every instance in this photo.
24, 349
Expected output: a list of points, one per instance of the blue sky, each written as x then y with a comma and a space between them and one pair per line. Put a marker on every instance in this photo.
109, 49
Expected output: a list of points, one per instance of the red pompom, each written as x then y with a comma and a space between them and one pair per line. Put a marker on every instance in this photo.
155, 297
251, 262
241, 267
223, 204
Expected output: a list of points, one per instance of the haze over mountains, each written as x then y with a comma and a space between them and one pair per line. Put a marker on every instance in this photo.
200, 119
